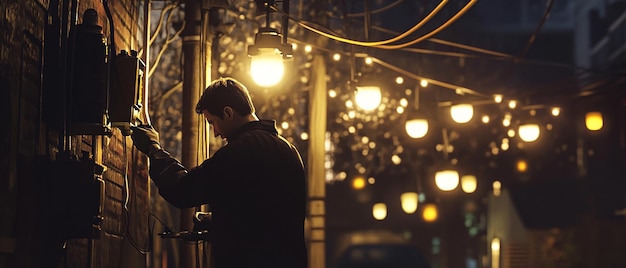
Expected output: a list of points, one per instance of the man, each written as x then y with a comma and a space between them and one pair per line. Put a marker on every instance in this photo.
255, 184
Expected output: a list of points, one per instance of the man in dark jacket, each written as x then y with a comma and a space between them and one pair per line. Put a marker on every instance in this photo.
255, 184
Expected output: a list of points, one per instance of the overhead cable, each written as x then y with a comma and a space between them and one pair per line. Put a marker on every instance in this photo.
368, 44
430, 81
380, 10
435, 31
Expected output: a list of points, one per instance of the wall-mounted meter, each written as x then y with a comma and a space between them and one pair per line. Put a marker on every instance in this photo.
126, 92
88, 78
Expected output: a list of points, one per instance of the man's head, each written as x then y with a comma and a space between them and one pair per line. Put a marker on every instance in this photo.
227, 105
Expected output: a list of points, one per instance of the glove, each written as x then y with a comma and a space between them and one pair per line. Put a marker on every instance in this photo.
145, 138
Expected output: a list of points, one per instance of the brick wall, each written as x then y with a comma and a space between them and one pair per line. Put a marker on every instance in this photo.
31, 104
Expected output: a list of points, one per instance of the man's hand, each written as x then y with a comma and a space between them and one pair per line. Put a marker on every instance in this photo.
145, 138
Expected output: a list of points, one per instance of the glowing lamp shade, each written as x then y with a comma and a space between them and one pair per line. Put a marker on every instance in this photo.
416, 128
594, 121
469, 183
368, 98
447, 180
429, 214
409, 202
462, 113
528, 132
379, 211
267, 68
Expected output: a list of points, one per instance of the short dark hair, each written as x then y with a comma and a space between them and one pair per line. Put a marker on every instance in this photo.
224, 92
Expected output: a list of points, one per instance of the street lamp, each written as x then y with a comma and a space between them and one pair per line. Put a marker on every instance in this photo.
462, 113
379, 211
594, 121
416, 127
429, 213
368, 97
269, 50
409, 201
528, 132
447, 180
468, 183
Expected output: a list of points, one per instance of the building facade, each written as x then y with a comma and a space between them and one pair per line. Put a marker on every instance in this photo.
68, 195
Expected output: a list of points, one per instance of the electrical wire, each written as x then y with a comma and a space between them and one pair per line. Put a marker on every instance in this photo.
430, 81
369, 44
168, 41
435, 31
445, 42
532, 38
389, 47
376, 11
125, 210
166, 10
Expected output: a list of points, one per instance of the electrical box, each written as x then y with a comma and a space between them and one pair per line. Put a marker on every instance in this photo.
87, 83
126, 92
79, 196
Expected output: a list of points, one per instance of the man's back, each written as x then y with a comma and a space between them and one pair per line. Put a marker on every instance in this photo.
256, 190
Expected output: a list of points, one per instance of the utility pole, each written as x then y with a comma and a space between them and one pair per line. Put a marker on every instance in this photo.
193, 73
316, 169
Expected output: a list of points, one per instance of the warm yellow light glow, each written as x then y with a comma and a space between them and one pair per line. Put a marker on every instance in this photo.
336, 57
358, 183
594, 121
332, 93
512, 104
395, 159
529, 132
462, 113
497, 98
521, 165
555, 111
486, 119
429, 214
497, 188
447, 180
409, 202
424, 83
510, 133
469, 183
368, 98
399, 80
369, 61
267, 68
495, 253
416, 128
379, 211
506, 121
308, 48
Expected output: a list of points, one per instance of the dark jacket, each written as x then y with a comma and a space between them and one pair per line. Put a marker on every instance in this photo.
256, 190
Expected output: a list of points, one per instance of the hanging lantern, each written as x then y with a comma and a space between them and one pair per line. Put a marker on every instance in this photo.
447, 180
528, 132
379, 211
416, 128
429, 213
462, 113
368, 97
594, 121
267, 56
409, 201
469, 183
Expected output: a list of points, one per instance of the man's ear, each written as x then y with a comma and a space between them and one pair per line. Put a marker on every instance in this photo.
228, 112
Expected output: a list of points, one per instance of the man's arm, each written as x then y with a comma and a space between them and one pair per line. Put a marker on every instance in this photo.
175, 183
